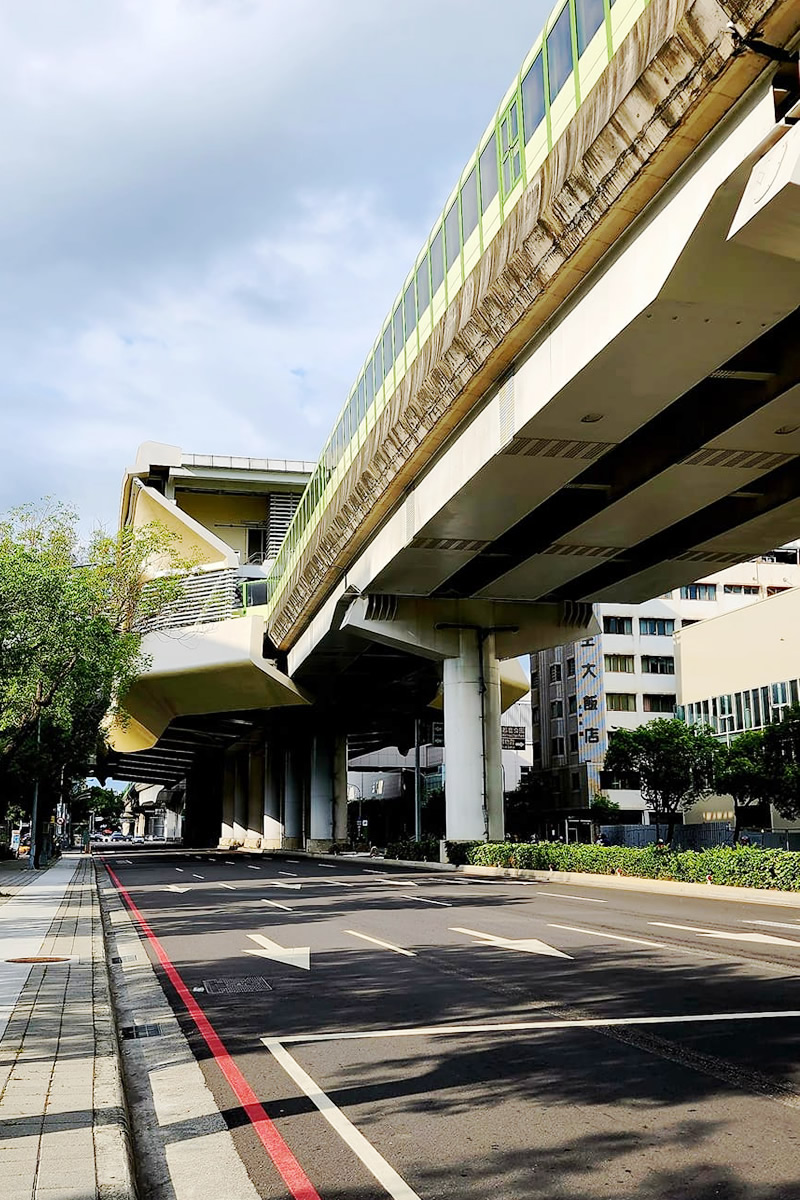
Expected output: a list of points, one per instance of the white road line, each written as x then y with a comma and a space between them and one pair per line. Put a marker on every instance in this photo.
179, 869
296, 861
292, 873
616, 937
229, 862
250, 867
423, 900
339, 883
776, 924
751, 935
528, 1026
378, 942
229, 886
525, 945
196, 876
564, 896
375, 1163
276, 904
396, 883
328, 866
368, 872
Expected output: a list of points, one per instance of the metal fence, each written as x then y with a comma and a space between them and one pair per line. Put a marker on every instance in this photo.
698, 837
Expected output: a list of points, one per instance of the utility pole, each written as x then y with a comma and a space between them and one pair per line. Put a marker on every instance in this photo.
35, 806
417, 785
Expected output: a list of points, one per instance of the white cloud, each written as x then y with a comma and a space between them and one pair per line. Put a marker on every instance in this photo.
208, 208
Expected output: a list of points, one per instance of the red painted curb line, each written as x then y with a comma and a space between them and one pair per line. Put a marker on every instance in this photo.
287, 1165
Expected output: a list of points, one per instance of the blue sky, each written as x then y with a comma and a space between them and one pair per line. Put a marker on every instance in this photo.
208, 207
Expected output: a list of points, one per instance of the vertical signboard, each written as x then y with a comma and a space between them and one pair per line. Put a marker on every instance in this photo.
592, 732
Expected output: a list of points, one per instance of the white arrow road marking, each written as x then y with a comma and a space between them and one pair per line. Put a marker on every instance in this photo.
294, 886
176, 887
564, 896
376, 1164
751, 935
292, 873
616, 937
277, 904
776, 924
292, 956
378, 942
423, 900
527, 945
229, 886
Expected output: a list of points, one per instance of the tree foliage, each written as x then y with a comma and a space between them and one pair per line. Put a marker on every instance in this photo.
104, 802
672, 762
744, 772
69, 646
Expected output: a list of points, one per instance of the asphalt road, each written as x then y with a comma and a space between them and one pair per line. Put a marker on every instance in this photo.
386, 1054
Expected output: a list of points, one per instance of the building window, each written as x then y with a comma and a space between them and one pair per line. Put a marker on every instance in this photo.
589, 16
741, 589
510, 148
660, 703
559, 53
570, 667
575, 779
573, 743
537, 751
556, 709
617, 625
773, 591
620, 662
656, 626
488, 173
555, 673
533, 98
658, 664
699, 591
572, 705
558, 747
535, 714
621, 701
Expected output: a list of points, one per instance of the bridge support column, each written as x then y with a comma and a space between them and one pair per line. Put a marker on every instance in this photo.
228, 789
272, 826
473, 760
293, 777
240, 797
328, 792
255, 796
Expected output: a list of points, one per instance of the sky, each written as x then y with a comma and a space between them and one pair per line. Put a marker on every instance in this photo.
207, 209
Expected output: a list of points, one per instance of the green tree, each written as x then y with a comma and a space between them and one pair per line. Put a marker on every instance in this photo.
69, 640
105, 803
782, 762
745, 773
672, 763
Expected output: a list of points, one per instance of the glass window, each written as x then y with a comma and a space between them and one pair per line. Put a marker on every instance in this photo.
352, 416
409, 307
533, 98
556, 709
664, 703
658, 664
423, 286
452, 236
469, 203
621, 701
589, 15
488, 170
558, 747
378, 361
656, 626
756, 708
617, 625
620, 662
737, 699
362, 406
387, 351
570, 666
437, 262
399, 335
699, 591
369, 379
555, 673
510, 152
559, 53
572, 705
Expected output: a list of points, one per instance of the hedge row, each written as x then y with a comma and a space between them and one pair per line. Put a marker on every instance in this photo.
426, 850
740, 866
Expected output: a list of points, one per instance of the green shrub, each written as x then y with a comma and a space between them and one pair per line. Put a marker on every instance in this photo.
739, 866
458, 852
426, 850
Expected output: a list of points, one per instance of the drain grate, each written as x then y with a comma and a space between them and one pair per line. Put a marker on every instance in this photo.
129, 1032
237, 986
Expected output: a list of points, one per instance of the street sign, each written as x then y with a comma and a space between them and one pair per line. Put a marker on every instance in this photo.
513, 737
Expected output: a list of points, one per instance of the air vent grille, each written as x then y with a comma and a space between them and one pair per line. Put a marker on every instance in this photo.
430, 543
747, 460
556, 448
710, 556
565, 551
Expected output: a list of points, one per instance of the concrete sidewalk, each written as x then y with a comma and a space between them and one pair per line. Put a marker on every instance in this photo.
63, 1126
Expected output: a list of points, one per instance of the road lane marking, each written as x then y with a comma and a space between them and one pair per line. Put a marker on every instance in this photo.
127, 861
292, 873
339, 883
526, 945
424, 900
229, 886
176, 887
776, 924
367, 871
378, 942
291, 956
534, 1026
277, 904
179, 869
617, 937
278, 883
770, 939
376, 1164
564, 896
293, 1175
229, 862
327, 866
250, 867
296, 861
196, 876
396, 883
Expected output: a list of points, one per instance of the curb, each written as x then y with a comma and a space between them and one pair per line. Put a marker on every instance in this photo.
116, 1175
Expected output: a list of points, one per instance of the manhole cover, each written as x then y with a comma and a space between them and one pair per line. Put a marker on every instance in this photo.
34, 958
129, 1032
238, 986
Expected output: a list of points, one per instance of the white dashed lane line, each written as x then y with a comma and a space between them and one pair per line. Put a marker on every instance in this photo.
378, 942
564, 896
424, 900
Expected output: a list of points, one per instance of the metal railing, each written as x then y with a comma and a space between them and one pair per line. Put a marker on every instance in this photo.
207, 596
